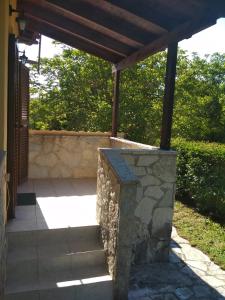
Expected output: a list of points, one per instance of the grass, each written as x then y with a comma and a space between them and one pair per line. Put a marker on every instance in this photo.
202, 233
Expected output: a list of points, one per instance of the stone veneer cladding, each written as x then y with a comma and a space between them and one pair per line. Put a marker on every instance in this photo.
156, 171
65, 154
2, 224
116, 190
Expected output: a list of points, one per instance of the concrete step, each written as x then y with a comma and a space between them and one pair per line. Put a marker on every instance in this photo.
82, 237
92, 288
57, 264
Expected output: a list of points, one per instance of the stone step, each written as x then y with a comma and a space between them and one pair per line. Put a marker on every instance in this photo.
98, 288
64, 263
83, 238
78, 264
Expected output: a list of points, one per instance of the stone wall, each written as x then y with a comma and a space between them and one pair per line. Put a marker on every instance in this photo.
2, 223
65, 154
116, 190
156, 171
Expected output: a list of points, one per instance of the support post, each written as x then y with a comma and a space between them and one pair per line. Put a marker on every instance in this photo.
168, 101
115, 108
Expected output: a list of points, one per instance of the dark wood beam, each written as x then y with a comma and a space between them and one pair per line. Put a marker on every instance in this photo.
72, 41
151, 10
115, 108
96, 15
41, 12
128, 16
86, 22
185, 30
64, 29
168, 101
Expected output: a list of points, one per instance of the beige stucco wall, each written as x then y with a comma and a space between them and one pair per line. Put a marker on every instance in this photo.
63, 154
4, 21
7, 25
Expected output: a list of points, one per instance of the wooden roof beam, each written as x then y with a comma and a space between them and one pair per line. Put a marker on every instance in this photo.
108, 24
88, 23
64, 29
44, 13
72, 41
186, 30
128, 16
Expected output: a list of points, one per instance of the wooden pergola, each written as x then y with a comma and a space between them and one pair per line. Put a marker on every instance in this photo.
123, 32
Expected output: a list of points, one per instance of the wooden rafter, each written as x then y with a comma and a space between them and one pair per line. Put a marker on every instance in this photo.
55, 18
128, 16
186, 30
73, 41
87, 23
109, 21
55, 26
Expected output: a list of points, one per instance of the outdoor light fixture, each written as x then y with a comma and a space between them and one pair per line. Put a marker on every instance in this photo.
22, 23
23, 58
20, 20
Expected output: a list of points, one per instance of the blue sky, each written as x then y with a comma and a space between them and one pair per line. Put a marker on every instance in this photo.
206, 42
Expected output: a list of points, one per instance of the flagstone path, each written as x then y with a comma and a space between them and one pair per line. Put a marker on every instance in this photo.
189, 275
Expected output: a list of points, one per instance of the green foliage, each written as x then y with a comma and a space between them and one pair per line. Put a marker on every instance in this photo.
201, 232
201, 176
75, 93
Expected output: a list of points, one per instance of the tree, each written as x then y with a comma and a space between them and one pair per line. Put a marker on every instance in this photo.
75, 93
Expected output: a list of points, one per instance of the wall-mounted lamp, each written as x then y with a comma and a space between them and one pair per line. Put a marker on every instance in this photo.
22, 23
23, 58
20, 20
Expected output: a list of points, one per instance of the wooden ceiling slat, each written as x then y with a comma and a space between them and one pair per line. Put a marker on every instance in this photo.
186, 30
153, 11
73, 41
109, 21
128, 16
45, 15
85, 22
56, 27
120, 31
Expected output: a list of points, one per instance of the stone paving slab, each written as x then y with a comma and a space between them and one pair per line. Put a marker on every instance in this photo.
189, 275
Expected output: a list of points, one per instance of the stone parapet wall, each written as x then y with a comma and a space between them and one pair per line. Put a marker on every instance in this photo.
153, 212
116, 193
65, 154
156, 171
3, 244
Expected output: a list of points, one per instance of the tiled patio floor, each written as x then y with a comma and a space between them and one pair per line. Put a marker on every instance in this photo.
61, 203
68, 203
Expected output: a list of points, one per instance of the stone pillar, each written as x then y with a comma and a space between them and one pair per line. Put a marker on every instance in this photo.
156, 171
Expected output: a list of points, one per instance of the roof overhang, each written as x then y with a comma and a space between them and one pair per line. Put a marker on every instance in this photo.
120, 31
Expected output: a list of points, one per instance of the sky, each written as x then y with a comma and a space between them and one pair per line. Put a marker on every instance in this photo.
206, 42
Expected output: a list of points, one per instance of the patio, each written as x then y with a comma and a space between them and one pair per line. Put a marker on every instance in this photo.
55, 251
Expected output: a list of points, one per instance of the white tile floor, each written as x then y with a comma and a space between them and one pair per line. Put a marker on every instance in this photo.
61, 203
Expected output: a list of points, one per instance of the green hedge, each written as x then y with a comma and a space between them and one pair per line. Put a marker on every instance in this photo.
201, 176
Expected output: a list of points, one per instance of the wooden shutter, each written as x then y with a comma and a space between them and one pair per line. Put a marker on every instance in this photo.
23, 122
12, 125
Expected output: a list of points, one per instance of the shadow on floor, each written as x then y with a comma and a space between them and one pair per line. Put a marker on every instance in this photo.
179, 279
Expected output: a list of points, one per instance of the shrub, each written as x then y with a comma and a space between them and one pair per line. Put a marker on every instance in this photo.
201, 176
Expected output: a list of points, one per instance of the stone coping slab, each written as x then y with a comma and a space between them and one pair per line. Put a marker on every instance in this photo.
138, 148
119, 166
68, 133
